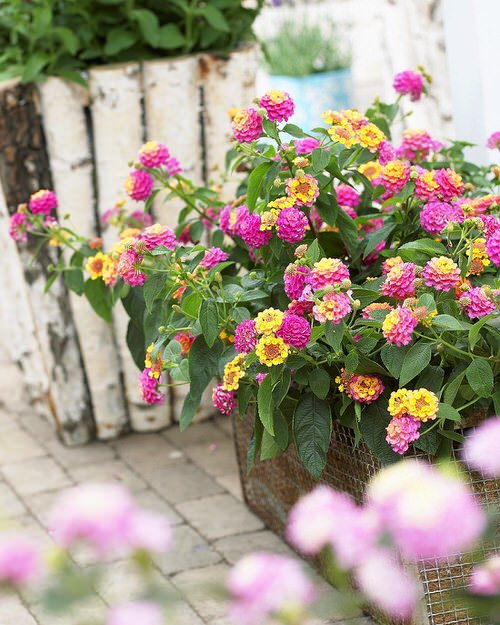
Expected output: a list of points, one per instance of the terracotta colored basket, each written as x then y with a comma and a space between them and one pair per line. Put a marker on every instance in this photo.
273, 486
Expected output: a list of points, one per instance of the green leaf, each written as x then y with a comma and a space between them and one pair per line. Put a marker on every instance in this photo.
445, 411
74, 280
373, 429
118, 39
319, 381
152, 288
428, 442
314, 251
352, 361
203, 364
447, 322
136, 343
190, 305
215, 18
170, 37
189, 408
452, 388
334, 335
265, 404
348, 232
245, 393
312, 428
209, 321
393, 357
415, 251
148, 25
320, 159
255, 181
294, 131
270, 129
280, 391
99, 297
415, 361
480, 377
34, 66
255, 443
376, 237
476, 329
431, 378
69, 39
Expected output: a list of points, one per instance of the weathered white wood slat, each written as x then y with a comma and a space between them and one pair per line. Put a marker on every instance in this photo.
71, 166
172, 111
116, 93
24, 168
226, 83
19, 336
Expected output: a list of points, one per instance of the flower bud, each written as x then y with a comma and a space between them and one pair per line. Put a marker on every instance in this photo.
277, 182
299, 173
252, 275
176, 308
261, 112
346, 284
300, 251
356, 304
218, 277
413, 174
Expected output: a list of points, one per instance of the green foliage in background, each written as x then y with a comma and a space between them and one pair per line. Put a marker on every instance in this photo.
301, 49
63, 37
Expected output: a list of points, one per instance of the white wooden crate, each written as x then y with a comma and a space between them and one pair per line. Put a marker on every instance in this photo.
90, 136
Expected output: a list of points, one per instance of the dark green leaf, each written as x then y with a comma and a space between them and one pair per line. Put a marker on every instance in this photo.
415, 361
480, 377
265, 404
99, 297
254, 444
148, 25
34, 66
152, 288
476, 329
312, 428
447, 322
119, 39
319, 381
255, 181
170, 37
393, 356
446, 411
203, 364
215, 18
320, 159
452, 388
334, 334
209, 321
74, 280
136, 343
373, 426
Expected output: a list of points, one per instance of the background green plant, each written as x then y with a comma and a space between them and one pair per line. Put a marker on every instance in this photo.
300, 49
63, 37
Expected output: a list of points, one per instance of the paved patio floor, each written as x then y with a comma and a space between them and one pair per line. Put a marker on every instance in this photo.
192, 477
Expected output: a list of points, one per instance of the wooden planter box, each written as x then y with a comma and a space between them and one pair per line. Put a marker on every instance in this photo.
77, 368
273, 486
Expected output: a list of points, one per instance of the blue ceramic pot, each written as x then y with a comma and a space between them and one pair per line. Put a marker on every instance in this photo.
314, 94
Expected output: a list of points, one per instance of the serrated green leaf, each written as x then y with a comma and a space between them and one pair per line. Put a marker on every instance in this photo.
265, 404
312, 428
445, 411
320, 159
393, 356
319, 381
480, 377
209, 320
255, 181
415, 361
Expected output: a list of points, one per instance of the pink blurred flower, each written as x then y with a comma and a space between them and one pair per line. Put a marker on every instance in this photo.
295, 331
156, 235
139, 184
213, 256
409, 83
245, 336
429, 512
223, 400
173, 166
493, 140
485, 578
140, 612
386, 153
264, 584
139, 219
435, 215
153, 154
386, 584
18, 227
20, 560
42, 202
306, 145
99, 514
347, 196
149, 532
417, 144
481, 448
493, 246
291, 225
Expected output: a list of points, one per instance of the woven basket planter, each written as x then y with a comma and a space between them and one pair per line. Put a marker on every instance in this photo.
273, 486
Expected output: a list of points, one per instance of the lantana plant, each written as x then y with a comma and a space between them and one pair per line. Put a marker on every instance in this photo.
348, 279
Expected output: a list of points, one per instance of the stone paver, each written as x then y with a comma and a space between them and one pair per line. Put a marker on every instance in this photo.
19, 446
10, 504
183, 481
218, 516
35, 475
13, 612
189, 550
190, 477
115, 471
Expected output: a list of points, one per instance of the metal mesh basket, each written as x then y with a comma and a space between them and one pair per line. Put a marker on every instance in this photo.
273, 486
